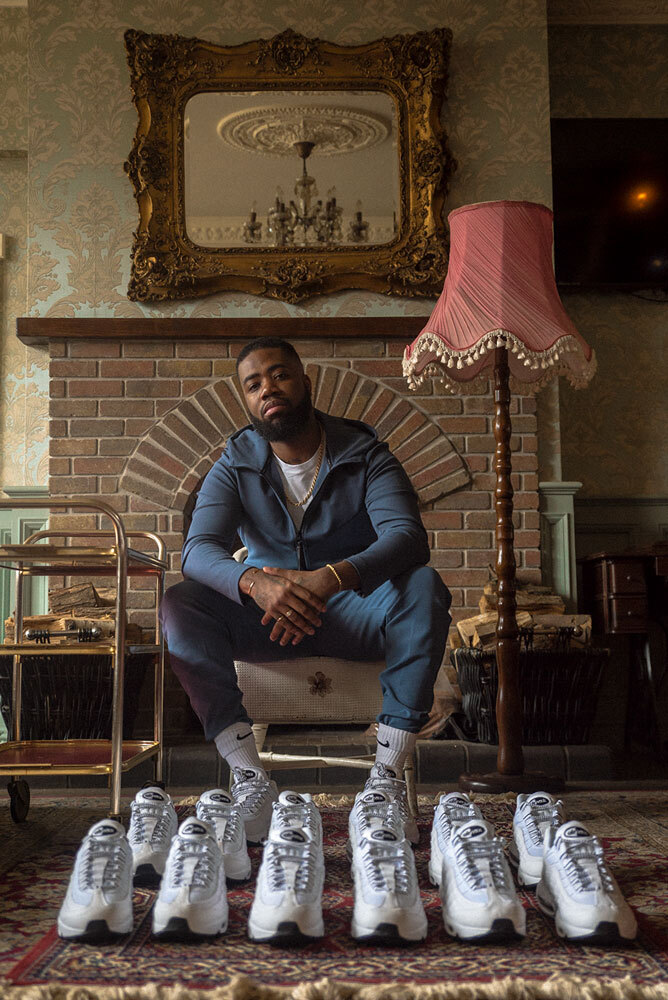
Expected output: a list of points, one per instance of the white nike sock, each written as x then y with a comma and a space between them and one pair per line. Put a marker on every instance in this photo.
237, 746
394, 746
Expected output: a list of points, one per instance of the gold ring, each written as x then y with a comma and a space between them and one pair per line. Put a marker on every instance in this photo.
288, 613
279, 618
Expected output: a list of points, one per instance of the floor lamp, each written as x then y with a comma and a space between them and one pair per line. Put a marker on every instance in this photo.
500, 316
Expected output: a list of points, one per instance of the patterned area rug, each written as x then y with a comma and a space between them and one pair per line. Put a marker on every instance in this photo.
37, 858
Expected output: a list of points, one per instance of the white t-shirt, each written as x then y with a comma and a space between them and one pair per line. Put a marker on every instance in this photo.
297, 481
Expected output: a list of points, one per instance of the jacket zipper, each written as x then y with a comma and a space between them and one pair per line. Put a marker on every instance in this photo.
298, 539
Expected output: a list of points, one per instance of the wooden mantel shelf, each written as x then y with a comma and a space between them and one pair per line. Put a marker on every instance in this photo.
38, 331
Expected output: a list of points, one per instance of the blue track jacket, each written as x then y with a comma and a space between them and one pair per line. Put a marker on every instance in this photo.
364, 509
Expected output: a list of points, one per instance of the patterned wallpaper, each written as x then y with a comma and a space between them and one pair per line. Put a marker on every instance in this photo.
613, 437
611, 71
23, 381
80, 204
613, 433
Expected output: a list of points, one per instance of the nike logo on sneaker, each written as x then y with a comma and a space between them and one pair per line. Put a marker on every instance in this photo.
245, 736
381, 744
383, 835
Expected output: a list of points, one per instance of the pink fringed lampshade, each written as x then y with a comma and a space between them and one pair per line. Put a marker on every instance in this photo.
499, 292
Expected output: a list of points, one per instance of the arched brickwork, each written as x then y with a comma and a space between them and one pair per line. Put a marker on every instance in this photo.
182, 446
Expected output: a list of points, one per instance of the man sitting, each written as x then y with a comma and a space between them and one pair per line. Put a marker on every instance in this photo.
335, 567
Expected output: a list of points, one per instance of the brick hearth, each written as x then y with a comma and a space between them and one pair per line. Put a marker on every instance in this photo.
137, 423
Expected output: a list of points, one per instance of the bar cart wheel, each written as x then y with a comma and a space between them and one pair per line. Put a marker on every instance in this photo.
19, 799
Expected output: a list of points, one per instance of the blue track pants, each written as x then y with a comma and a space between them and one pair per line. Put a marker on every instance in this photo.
405, 621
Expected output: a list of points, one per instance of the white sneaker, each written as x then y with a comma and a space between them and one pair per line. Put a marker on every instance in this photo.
372, 809
533, 814
384, 779
98, 901
579, 891
219, 808
287, 907
452, 811
153, 824
297, 809
256, 794
477, 890
388, 908
192, 901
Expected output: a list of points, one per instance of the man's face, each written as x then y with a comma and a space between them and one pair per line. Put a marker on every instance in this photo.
277, 393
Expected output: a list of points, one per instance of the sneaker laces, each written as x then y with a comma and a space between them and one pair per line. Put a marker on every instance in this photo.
580, 861
367, 812
299, 858
394, 787
140, 813
379, 860
202, 874
249, 793
460, 814
535, 815
293, 815
468, 855
102, 866
232, 816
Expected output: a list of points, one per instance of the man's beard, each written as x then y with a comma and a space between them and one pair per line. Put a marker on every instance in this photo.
288, 426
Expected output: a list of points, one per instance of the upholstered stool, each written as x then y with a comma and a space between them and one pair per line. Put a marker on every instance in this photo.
312, 690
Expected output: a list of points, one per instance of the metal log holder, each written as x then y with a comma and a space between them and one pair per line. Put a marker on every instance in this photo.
20, 758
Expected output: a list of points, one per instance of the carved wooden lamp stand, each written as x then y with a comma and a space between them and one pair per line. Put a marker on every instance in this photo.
500, 314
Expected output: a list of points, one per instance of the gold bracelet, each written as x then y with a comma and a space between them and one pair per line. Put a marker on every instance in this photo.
338, 578
252, 583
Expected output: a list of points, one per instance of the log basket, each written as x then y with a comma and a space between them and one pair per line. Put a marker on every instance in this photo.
559, 692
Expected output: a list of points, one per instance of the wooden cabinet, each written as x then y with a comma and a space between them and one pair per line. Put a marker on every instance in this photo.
615, 593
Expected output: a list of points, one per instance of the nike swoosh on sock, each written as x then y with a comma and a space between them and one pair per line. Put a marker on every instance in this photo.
379, 742
245, 736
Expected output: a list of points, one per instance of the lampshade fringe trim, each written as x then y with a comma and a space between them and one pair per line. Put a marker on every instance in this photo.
553, 361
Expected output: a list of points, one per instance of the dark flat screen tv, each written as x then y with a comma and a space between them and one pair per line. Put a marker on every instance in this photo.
610, 188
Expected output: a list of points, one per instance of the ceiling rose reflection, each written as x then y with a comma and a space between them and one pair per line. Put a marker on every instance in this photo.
283, 130
275, 128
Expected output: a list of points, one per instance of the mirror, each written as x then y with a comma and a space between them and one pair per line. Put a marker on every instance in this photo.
291, 169
288, 167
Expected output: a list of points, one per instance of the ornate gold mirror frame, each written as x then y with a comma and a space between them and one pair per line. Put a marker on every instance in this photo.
167, 70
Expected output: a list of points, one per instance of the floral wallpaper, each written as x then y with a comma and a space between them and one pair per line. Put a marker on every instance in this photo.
613, 437
81, 212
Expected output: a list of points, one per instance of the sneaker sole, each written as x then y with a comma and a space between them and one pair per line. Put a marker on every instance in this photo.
384, 934
233, 880
178, 929
95, 930
502, 929
236, 870
147, 876
605, 932
287, 933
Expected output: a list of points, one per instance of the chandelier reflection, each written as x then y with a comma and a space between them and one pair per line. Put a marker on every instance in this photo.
305, 220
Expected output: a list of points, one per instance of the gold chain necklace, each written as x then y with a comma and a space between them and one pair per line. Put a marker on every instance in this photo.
300, 503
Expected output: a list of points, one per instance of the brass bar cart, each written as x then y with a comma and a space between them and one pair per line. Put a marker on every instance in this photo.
21, 758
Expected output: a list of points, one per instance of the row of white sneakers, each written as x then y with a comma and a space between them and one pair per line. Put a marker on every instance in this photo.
287, 905
566, 864
468, 864
560, 857
191, 863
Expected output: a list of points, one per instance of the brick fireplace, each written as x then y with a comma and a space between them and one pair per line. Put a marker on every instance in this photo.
140, 410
